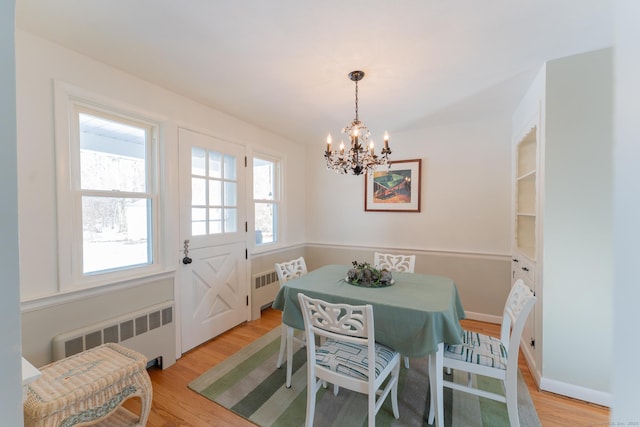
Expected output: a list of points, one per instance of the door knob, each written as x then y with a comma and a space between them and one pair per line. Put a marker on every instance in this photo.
186, 260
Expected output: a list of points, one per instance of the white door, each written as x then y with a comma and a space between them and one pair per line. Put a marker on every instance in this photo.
213, 274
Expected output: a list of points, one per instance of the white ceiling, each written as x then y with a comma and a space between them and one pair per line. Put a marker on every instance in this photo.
282, 64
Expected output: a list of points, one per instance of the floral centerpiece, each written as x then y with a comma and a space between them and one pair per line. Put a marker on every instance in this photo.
363, 274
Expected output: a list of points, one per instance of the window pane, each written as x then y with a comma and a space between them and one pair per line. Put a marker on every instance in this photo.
198, 221
263, 179
112, 155
198, 191
230, 167
230, 194
265, 223
215, 221
115, 233
215, 165
197, 162
230, 220
215, 193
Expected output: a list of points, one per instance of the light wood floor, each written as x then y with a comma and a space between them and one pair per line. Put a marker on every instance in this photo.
176, 405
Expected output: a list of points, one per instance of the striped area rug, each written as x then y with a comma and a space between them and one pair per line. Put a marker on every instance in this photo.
249, 384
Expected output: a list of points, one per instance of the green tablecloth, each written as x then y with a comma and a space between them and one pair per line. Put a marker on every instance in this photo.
412, 316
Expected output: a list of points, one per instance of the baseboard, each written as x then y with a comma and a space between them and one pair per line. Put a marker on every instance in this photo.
576, 392
481, 317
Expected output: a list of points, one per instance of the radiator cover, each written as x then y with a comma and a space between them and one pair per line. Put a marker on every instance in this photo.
150, 331
264, 287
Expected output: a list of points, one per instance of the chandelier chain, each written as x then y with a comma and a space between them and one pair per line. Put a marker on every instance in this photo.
357, 101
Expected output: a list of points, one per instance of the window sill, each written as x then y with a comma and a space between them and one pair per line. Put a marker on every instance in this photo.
38, 303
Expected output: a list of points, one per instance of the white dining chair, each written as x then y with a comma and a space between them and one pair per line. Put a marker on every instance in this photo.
393, 263
494, 357
348, 355
287, 271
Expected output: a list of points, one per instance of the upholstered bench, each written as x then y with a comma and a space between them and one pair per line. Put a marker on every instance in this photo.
89, 388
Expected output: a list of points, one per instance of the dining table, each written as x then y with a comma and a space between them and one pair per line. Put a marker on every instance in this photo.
416, 315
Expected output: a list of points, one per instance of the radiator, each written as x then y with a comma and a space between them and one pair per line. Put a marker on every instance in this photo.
264, 287
150, 331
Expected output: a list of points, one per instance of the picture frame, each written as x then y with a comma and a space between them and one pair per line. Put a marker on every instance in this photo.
396, 189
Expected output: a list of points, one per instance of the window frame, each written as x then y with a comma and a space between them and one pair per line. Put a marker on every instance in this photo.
277, 201
69, 103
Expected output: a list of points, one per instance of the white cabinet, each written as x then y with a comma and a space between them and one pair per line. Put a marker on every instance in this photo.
527, 174
525, 222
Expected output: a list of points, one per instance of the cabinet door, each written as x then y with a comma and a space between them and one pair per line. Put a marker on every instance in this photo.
523, 268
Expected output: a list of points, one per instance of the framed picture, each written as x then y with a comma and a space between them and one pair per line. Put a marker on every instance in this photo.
396, 189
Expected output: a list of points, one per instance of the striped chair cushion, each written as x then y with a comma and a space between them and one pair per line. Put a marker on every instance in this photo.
480, 349
351, 359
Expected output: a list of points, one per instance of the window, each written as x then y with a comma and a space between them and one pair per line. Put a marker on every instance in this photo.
115, 192
107, 196
266, 199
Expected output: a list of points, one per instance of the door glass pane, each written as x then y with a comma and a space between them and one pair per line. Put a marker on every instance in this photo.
112, 155
198, 191
215, 220
198, 221
215, 193
115, 233
230, 194
229, 167
215, 165
230, 220
198, 166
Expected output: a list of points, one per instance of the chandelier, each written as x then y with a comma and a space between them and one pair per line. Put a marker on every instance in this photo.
361, 157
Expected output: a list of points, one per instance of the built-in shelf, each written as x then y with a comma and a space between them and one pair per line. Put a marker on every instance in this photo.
526, 194
529, 176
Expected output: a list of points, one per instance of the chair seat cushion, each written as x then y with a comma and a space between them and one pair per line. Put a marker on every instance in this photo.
479, 349
351, 359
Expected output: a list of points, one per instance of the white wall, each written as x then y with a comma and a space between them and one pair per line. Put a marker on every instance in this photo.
10, 368
626, 191
39, 63
578, 236
466, 193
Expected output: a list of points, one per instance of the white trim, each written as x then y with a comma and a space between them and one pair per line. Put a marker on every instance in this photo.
576, 392
278, 200
276, 250
466, 254
80, 294
68, 100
